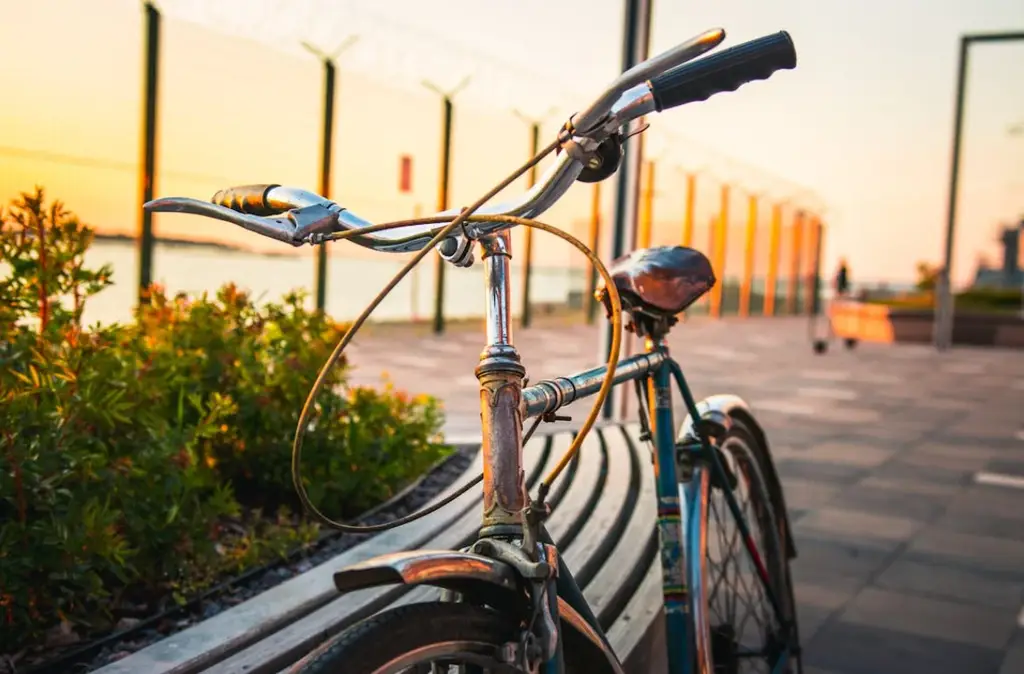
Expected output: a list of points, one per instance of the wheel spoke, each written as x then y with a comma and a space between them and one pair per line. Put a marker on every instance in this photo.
737, 603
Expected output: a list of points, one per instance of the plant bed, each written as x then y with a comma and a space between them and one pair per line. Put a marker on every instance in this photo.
907, 323
136, 634
145, 468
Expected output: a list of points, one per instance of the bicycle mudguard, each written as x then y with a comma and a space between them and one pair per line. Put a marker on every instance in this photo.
721, 410
463, 572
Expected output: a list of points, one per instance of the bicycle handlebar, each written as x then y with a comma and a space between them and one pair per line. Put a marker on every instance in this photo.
298, 217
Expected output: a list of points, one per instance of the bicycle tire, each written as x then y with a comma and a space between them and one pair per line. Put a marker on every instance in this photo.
748, 459
370, 645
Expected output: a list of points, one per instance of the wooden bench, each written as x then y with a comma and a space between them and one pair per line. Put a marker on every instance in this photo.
603, 521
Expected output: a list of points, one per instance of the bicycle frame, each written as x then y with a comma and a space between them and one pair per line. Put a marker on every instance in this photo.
684, 468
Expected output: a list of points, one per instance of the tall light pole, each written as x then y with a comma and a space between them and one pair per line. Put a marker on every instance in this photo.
326, 147
635, 49
531, 180
943, 327
442, 189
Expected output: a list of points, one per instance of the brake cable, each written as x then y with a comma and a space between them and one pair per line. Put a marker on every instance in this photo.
467, 215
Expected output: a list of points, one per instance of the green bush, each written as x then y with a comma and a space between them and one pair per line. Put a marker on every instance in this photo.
143, 461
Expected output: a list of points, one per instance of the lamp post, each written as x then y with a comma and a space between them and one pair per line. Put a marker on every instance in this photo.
326, 147
942, 333
635, 49
1018, 130
531, 180
442, 188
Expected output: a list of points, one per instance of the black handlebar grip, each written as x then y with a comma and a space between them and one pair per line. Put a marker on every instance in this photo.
251, 199
724, 71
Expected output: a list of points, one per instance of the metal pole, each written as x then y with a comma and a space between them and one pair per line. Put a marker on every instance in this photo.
326, 153
771, 280
645, 225
635, 45
593, 241
793, 283
942, 332
747, 285
719, 234
691, 189
442, 205
531, 180
325, 178
147, 176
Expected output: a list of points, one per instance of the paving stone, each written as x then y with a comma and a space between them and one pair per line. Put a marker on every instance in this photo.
850, 454
810, 621
831, 594
980, 552
825, 562
1013, 663
951, 583
982, 525
846, 648
1007, 466
908, 485
920, 507
805, 494
990, 501
949, 621
928, 473
819, 471
950, 461
849, 524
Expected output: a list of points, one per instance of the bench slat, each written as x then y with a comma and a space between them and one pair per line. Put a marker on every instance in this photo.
614, 584
585, 556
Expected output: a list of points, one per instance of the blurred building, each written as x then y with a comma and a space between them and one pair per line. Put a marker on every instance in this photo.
1010, 274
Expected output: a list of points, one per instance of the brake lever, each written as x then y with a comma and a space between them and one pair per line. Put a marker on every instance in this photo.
296, 226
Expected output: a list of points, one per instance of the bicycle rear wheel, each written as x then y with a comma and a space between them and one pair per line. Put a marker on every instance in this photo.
744, 634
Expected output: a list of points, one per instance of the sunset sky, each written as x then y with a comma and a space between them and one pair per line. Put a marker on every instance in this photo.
864, 122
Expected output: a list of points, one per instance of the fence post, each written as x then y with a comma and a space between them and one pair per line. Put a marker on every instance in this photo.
771, 280
719, 232
325, 178
813, 307
645, 222
442, 191
593, 242
748, 256
147, 173
326, 152
794, 263
691, 188
531, 180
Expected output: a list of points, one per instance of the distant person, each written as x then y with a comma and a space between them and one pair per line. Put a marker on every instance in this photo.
842, 280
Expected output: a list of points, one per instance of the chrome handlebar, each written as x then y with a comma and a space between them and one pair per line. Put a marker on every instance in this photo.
299, 217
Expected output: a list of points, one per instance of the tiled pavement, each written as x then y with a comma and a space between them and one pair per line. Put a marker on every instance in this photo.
908, 560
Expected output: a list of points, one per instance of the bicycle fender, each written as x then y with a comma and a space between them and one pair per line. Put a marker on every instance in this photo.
463, 572
722, 410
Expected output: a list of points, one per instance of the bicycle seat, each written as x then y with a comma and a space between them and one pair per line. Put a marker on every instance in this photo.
661, 281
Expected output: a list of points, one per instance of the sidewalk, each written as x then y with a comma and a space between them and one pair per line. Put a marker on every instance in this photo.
903, 470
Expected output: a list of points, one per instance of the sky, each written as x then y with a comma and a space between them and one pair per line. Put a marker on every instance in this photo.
860, 131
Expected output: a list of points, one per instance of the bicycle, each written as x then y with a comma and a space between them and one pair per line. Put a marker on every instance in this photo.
509, 603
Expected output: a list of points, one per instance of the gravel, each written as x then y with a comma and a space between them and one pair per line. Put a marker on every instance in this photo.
414, 499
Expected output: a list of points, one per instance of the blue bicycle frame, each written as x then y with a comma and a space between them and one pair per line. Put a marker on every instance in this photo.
685, 465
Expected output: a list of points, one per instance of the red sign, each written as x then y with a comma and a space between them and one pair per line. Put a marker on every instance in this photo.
405, 174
